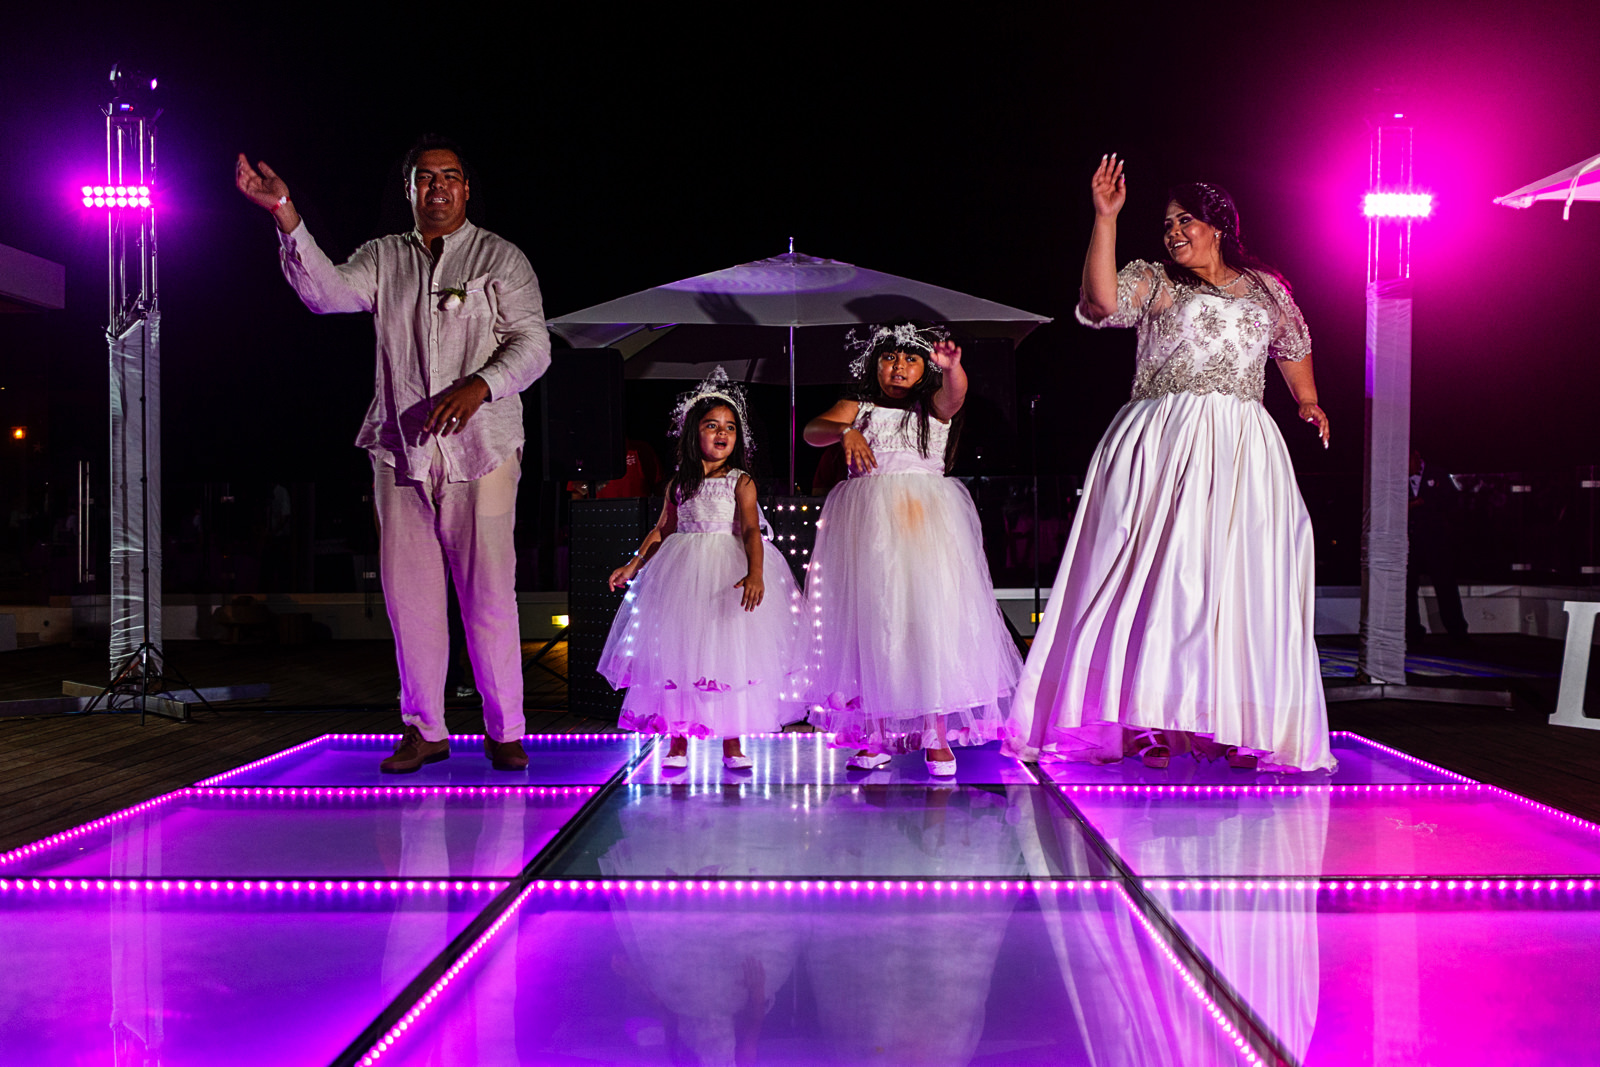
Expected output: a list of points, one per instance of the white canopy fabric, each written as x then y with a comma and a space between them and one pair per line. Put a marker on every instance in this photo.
1581, 181
788, 291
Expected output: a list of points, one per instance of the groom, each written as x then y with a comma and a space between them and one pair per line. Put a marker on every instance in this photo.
460, 333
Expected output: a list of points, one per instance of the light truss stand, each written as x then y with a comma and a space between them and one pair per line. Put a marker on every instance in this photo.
138, 666
1385, 540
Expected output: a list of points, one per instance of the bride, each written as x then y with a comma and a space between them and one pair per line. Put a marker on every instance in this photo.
1181, 617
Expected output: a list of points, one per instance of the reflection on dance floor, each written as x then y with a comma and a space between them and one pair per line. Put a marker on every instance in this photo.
831, 831
1054, 973
809, 759
601, 909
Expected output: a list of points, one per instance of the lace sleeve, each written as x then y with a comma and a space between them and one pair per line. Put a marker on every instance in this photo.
1138, 286
1290, 339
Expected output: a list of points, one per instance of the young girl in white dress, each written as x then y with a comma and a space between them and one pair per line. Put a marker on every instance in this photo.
908, 647
707, 641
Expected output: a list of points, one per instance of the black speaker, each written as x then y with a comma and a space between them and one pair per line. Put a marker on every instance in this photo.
604, 536
989, 424
580, 406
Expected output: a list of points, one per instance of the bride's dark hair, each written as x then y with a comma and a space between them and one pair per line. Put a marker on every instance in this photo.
1212, 205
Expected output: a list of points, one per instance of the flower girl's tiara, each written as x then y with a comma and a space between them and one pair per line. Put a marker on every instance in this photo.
903, 337
720, 387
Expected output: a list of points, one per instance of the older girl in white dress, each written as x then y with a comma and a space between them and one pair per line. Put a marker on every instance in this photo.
707, 641
1181, 617
908, 647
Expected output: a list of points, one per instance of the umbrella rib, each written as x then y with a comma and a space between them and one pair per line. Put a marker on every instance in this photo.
1572, 190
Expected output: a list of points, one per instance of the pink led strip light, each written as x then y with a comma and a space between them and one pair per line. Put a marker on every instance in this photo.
67, 835
738, 886
1196, 987
248, 885
426, 1000
1367, 885
1408, 757
298, 794
379, 740
356, 792
1268, 789
315, 742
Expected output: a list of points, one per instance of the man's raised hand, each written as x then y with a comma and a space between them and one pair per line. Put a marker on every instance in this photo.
265, 189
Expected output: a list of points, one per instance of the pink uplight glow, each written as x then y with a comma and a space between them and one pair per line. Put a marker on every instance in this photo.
1398, 205
108, 196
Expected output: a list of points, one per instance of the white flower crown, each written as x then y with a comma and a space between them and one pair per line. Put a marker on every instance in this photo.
905, 337
718, 386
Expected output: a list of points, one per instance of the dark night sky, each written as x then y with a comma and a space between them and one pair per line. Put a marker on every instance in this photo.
622, 151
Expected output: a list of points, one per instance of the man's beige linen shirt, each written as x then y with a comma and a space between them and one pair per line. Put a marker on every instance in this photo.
430, 338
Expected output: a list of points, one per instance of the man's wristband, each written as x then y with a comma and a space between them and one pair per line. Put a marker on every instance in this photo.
282, 200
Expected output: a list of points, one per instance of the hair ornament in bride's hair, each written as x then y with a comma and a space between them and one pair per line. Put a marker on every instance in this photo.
717, 386
900, 337
1212, 204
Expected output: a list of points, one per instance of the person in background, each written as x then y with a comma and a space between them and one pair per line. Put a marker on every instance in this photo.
642, 477
1430, 534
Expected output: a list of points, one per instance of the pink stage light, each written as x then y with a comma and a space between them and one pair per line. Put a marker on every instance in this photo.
1398, 205
107, 196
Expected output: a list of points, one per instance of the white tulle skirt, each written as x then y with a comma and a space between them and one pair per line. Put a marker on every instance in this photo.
1187, 593
905, 628
694, 662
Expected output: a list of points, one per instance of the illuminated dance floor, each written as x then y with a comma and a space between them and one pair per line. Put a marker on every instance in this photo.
601, 909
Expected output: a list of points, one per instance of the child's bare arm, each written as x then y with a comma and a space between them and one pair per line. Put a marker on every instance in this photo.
744, 496
666, 525
946, 403
837, 424
830, 426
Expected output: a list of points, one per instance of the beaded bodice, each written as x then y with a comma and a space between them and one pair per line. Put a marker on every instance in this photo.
713, 508
1214, 339
891, 433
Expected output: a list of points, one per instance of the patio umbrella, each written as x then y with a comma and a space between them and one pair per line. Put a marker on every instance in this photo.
745, 318
1581, 181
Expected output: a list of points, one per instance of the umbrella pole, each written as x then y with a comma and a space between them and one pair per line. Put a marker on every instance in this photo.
794, 437
1033, 466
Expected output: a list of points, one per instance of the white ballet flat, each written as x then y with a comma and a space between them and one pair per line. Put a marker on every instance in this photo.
868, 762
674, 761
941, 768
737, 763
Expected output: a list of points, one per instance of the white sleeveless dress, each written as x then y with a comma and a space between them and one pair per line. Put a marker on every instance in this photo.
694, 662
1186, 596
904, 624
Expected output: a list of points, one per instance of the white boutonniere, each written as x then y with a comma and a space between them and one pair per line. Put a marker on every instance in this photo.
453, 297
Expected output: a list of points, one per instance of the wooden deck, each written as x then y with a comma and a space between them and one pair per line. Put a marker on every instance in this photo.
329, 674
59, 771
62, 770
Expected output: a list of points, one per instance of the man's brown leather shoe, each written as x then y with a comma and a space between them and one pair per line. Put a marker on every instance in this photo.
505, 755
412, 752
